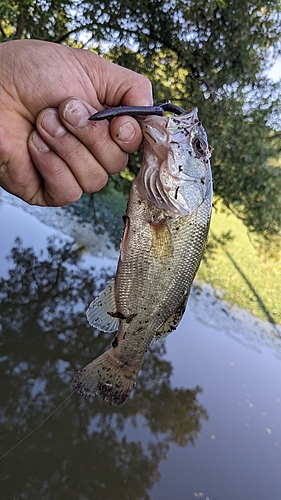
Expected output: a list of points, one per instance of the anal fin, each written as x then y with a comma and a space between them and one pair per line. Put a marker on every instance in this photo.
172, 322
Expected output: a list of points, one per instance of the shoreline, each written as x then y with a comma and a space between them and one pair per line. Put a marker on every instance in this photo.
205, 301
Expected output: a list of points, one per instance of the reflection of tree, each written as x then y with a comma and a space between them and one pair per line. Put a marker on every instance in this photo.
179, 420
85, 450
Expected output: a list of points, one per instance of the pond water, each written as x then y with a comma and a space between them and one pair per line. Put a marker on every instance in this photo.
203, 422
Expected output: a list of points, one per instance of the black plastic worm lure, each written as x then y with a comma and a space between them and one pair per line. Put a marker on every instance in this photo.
156, 109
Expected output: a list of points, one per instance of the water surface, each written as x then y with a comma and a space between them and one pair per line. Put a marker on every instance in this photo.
205, 418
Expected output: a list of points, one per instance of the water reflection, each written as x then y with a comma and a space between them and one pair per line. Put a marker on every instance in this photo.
87, 449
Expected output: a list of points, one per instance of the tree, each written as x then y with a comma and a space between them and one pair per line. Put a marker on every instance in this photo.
214, 55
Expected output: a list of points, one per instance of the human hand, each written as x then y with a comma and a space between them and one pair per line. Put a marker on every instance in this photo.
50, 153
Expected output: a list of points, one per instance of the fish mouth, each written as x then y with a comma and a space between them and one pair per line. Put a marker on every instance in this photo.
159, 132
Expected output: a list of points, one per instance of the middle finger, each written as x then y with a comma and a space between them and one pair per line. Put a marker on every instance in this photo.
75, 114
80, 160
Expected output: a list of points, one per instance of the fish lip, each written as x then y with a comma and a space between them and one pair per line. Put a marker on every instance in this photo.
152, 134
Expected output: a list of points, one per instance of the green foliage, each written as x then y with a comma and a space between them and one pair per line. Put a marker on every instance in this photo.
244, 176
214, 55
105, 209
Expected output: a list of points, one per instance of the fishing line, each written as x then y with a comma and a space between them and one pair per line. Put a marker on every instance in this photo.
38, 426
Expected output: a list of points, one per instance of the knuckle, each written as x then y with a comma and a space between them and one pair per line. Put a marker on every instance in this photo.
6, 156
121, 164
96, 183
3, 168
145, 82
67, 196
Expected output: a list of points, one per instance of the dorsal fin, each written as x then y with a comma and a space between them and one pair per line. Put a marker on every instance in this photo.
98, 312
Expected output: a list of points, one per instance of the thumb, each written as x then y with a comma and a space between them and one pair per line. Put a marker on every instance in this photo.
115, 85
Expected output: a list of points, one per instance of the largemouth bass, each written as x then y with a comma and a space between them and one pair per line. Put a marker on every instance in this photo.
164, 236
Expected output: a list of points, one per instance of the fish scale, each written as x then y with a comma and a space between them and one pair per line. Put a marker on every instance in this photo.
162, 245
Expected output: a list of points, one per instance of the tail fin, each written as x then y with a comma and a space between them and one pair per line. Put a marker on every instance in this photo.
108, 377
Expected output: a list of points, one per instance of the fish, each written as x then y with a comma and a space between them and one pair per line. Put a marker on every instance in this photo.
164, 236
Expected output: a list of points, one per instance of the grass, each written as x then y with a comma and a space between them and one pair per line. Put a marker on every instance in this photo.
240, 273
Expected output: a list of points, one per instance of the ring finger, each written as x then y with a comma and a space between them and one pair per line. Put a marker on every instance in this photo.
88, 172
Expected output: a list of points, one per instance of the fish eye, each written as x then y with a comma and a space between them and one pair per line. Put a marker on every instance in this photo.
200, 146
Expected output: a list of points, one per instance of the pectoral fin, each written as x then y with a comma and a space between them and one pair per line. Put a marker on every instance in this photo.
99, 312
161, 242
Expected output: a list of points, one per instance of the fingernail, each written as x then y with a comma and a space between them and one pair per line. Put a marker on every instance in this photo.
76, 113
39, 143
127, 132
52, 124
